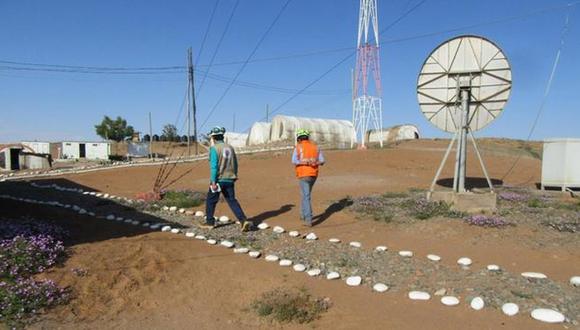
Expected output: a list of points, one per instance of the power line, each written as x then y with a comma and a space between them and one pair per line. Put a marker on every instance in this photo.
262, 38
292, 97
218, 45
563, 34
206, 31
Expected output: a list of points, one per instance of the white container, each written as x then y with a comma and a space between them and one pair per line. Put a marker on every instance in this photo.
561, 163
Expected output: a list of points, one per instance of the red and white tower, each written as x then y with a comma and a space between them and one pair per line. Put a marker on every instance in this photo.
367, 108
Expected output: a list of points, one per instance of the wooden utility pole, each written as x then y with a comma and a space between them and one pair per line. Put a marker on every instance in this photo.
191, 96
150, 137
234, 123
267, 111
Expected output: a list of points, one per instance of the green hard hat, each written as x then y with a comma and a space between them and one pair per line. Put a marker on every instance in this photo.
302, 132
217, 130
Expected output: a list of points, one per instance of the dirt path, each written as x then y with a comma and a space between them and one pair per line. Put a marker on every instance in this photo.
156, 280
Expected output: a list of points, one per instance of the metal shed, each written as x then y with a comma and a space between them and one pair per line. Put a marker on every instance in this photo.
87, 150
38, 147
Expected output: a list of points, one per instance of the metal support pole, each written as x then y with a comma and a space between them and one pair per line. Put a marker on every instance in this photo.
462, 161
193, 103
447, 152
481, 161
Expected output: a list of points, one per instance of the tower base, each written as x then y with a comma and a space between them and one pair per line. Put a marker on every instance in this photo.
468, 202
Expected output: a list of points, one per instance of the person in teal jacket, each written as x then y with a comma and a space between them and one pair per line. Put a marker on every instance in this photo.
223, 165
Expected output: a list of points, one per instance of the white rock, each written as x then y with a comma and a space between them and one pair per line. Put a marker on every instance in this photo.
548, 315
223, 218
285, 263
406, 253
199, 214
75, 207
534, 275
200, 237
173, 209
575, 280
271, 258
299, 268
510, 309
314, 272
312, 237
175, 231
263, 226
189, 212
189, 234
419, 295
227, 244
433, 257
334, 240
181, 210
450, 301
92, 193
477, 303
135, 223
493, 268
464, 261
254, 254
92, 214
127, 220
211, 241
332, 276
355, 244
106, 196
121, 219
278, 229
155, 226
294, 233
381, 248
354, 281
99, 195
110, 217
380, 287
165, 228
82, 211
241, 250
165, 208
146, 224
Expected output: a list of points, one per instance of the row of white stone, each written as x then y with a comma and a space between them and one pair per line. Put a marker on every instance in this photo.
477, 303
542, 314
463, 262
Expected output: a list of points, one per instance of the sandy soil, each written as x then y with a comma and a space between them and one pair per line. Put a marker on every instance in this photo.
156, 280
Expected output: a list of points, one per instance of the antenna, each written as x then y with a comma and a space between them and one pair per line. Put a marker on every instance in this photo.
463, 86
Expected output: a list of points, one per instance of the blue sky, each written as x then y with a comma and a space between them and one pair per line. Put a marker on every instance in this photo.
56, 106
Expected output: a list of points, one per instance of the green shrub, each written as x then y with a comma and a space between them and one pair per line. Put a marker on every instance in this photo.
182, 198
290, 305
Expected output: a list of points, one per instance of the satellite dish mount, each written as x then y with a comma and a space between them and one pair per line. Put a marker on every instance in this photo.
462, 87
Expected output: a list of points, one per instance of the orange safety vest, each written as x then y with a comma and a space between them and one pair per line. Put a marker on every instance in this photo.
306, 151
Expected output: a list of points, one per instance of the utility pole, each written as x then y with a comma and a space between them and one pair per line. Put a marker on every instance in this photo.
191, 95
267, 112
234, 123
150, 137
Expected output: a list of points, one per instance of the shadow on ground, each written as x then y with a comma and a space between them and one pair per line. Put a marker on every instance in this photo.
81, 228
470, 183
332, 209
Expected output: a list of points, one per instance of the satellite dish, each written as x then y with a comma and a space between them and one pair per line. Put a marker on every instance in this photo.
463, 86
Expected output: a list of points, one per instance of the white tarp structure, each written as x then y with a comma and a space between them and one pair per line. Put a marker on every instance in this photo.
395, 133
236, 140
340, 132
138, 149
259, 134
38, 147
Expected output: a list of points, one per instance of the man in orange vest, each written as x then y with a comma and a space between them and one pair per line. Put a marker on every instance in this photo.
307, 158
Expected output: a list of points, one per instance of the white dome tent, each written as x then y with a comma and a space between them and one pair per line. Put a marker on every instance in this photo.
395, 133
259, 133
333, 131
236, 140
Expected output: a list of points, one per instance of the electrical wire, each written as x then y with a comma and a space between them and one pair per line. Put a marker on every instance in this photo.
221, 39
258, 44
201, 47
563, 34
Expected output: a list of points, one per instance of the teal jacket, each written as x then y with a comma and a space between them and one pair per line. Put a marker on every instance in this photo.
223, 163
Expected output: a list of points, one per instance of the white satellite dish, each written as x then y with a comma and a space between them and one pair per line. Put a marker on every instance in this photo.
463, 86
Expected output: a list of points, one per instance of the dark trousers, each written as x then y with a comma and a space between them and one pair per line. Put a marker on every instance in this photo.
228, 190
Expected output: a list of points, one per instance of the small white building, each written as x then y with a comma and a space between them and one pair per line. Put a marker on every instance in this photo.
561, 163
87, 150
38, 147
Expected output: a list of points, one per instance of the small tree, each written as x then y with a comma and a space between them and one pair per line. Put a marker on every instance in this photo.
170, 132
116, 130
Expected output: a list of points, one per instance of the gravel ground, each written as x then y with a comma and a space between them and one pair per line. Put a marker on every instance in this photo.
401, 274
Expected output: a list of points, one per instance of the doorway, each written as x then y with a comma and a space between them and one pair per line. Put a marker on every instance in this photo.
82, 150
14, 159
